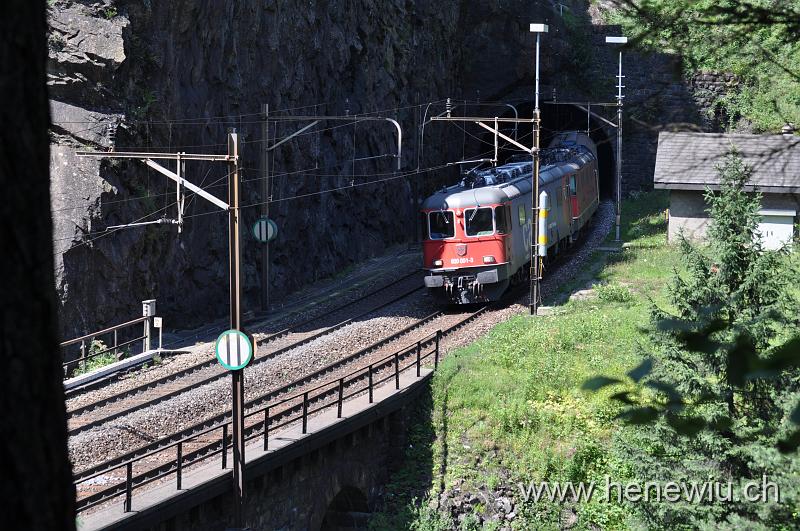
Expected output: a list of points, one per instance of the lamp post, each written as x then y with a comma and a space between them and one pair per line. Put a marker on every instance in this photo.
620, 86
535, 270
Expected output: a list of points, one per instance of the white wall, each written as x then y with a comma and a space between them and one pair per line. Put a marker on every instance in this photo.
687, 213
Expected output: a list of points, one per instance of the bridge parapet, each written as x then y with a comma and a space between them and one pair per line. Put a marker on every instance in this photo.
292, 482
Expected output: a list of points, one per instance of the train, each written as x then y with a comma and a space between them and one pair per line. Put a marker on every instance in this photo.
477, 233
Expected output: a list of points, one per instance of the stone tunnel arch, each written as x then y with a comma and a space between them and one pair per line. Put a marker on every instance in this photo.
556, 118
348, 511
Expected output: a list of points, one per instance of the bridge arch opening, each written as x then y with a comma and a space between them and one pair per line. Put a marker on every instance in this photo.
558, 118
348, 511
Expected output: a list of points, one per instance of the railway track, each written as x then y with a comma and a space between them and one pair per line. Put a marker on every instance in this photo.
424, 332
95, 413
201, 441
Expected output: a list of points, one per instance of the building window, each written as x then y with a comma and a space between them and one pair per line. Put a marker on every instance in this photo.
440, 225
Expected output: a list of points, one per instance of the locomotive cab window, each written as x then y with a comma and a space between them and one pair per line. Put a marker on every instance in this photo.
523, 218
502, 219
479, 221
573, 190
440, 225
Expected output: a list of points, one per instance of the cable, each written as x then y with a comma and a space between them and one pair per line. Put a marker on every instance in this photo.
309, 132
398, 176
103, 234
137, 198
237, 118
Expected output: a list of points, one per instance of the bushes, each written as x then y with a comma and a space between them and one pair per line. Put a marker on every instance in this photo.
613, 293
756, 40
95, 362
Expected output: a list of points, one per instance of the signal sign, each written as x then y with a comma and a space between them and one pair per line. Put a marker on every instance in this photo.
234, 350
265, 230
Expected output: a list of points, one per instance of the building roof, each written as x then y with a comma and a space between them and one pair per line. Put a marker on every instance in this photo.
688, 161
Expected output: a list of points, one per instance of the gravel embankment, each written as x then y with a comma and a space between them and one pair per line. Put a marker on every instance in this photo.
194, 350
135, 429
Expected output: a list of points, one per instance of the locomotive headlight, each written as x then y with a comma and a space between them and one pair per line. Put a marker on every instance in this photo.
488, 260
437, 263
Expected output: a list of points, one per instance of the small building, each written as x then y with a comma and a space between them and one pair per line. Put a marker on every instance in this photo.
686, 165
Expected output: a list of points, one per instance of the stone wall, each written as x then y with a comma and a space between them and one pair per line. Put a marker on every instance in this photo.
299, 494
707, 89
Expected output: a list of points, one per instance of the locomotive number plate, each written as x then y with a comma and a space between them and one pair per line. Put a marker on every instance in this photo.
456, 261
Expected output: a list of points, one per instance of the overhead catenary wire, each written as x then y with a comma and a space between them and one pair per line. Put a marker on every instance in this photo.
234, 119
331, 190
104, 233
74, 206
301, 173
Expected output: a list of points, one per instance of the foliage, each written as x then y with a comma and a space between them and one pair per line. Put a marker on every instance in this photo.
614, 293
723, 375
148, 99
96, 360
580, 48
757, 40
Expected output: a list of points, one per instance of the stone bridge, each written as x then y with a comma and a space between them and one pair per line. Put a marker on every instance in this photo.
330, 477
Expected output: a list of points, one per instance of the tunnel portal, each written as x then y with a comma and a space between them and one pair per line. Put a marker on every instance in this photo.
555, 119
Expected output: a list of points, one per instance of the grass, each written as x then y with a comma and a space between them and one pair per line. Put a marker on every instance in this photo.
509, 408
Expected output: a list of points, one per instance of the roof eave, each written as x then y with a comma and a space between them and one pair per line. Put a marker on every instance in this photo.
703, 186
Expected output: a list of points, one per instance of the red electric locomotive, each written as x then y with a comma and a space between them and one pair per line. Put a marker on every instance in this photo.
477, 233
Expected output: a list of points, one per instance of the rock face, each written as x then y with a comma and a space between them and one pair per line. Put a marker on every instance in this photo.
168, 76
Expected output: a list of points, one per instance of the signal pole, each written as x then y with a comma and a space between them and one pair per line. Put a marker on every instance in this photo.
265, 198
237, 376
234, 261
536, 266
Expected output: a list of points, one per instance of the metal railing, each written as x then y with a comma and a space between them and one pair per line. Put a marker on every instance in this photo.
87, 341
283, 413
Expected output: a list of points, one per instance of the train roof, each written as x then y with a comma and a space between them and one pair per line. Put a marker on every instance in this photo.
567, 153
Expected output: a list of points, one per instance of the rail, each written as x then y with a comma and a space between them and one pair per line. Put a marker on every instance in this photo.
172, 377
296, 408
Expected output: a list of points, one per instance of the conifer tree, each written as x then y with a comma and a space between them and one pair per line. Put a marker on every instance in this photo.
717, 397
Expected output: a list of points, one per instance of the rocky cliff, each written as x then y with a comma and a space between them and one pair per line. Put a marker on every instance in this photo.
169, 76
